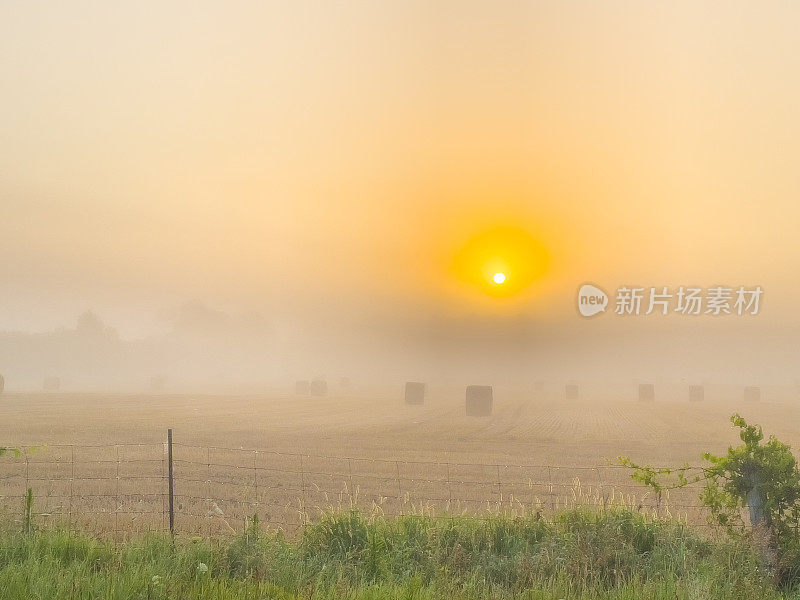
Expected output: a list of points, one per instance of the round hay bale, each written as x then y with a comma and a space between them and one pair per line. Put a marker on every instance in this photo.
415, 392
302, 387
318, 387
752, 393
697, 393
647, 392
479, 400
571, 391
51, 384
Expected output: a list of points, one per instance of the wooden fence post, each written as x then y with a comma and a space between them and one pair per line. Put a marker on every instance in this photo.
171, 496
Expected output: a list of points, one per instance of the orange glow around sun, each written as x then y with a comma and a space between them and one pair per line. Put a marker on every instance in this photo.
501, 261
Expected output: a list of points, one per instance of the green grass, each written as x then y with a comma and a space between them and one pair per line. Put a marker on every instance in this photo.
579, 554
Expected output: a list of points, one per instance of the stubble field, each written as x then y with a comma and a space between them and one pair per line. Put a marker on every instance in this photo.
100, 460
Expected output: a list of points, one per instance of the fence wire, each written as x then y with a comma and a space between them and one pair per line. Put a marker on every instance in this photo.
122, 490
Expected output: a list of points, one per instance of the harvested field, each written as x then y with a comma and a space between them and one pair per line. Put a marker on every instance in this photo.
101, 459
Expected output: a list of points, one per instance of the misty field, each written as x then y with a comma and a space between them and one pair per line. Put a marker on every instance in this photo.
99, 461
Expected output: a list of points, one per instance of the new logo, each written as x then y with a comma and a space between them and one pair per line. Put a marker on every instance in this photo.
591, 300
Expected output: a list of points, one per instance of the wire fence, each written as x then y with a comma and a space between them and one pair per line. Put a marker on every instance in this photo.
126, 489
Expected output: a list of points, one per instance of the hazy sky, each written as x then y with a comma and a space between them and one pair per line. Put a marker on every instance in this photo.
325, 162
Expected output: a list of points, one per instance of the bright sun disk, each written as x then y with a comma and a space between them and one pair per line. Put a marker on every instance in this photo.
501, 262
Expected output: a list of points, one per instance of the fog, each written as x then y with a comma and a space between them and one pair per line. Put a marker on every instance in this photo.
207, 350
232, 198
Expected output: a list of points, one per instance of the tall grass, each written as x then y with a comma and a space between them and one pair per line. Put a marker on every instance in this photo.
579, 554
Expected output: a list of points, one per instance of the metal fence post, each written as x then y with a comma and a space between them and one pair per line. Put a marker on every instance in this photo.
171, 496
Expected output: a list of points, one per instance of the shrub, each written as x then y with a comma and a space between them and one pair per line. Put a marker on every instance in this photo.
756, 478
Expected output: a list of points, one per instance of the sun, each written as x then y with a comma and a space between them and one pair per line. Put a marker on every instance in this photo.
501, 261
